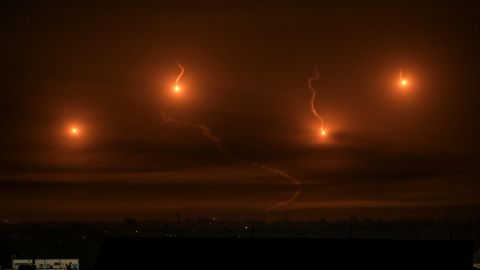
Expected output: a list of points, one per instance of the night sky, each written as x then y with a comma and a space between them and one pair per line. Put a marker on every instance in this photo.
108, 69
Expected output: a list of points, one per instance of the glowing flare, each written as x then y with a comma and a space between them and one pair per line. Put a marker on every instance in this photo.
323, 132
176, 88
74, 131
403, 82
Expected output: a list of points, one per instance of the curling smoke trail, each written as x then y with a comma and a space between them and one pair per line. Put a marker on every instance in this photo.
182, 70
218, 143
315, 77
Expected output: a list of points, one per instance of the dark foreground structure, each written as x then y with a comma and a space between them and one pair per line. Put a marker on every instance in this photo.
283, 253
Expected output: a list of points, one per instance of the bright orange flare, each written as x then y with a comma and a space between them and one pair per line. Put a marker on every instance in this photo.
323, 132
74, 131
403, 82
176, 88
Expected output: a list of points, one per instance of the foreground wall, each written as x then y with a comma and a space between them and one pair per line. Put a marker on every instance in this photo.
283, 253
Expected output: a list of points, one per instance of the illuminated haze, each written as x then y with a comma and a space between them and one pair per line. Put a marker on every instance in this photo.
389, 152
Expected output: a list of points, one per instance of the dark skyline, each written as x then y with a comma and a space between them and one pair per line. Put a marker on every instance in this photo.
110, 68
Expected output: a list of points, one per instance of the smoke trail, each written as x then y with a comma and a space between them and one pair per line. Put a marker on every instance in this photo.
315, 76
218, 143
182, 70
